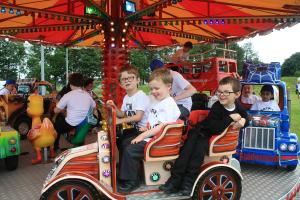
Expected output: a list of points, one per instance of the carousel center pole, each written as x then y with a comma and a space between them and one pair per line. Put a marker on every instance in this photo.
115, 54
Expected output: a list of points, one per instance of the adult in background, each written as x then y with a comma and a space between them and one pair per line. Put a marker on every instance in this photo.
8, 87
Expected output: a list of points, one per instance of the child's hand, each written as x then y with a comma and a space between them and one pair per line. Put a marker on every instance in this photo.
236, 117
138, 139
119, 121
239, 124
110, 103
143, 129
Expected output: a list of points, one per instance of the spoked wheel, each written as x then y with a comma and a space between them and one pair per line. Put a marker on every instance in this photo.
220, 183
72, 190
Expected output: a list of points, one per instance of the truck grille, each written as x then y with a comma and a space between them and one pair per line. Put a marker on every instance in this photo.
259, 138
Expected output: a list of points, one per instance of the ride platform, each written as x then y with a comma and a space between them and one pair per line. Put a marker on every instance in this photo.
260, 182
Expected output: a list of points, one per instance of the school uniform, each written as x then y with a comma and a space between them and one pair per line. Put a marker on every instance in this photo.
131, 104
187, 165
164, 111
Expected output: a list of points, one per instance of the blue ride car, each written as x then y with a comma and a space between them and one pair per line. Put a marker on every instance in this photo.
268, 140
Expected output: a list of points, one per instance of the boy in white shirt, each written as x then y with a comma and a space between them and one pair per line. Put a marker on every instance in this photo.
135, 103
76, 103
266, 103
163, 110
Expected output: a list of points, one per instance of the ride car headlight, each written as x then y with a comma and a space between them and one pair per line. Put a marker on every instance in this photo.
283, 147
291, 147
12, 141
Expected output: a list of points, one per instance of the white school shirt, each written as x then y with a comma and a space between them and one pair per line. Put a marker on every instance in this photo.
178, 85
137, 102
78, 103
265, 106
250, 100
164, 111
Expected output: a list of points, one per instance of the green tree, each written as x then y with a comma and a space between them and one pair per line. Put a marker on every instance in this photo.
249, 53
86, 61
291, 65
83, 60
11, 59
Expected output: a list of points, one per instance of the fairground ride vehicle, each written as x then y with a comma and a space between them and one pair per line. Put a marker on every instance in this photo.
90, 172
9, 138
267, 140
17, 116
205, 74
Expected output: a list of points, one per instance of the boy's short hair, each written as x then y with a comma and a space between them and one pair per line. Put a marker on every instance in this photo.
234, 82
129, 70
88, 81
188, 45
76, 79
163, 74
267, 88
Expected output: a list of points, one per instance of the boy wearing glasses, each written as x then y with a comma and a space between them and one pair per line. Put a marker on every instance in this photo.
135, 103
162, 110
224, 112
266, 103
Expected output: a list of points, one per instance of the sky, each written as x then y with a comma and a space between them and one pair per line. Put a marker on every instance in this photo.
276, 46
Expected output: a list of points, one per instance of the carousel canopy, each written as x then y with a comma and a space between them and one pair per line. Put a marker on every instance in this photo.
143, 22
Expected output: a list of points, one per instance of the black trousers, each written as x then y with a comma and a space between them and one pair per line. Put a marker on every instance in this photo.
124, 139
130, 163
187, 166
61, 127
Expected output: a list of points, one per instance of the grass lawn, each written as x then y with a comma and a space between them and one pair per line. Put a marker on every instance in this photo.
295, 113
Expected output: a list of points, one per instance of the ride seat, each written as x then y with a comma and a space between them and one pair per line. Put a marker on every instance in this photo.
166, 144
225, 143
219, 145
77, 135
160, 153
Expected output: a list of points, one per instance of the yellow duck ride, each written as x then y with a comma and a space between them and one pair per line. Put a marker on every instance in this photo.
42, 134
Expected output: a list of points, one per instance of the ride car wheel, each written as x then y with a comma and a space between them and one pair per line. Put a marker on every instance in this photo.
291, 167
11, 162
218, 183
70, 190
23, 125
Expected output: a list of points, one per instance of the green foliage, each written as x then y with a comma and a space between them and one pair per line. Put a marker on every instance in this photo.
295, 109
240, 55
291, 65
249, 53
85, 61
11, 59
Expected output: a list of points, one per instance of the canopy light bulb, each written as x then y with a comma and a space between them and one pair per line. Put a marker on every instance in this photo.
111, 23
112, 29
